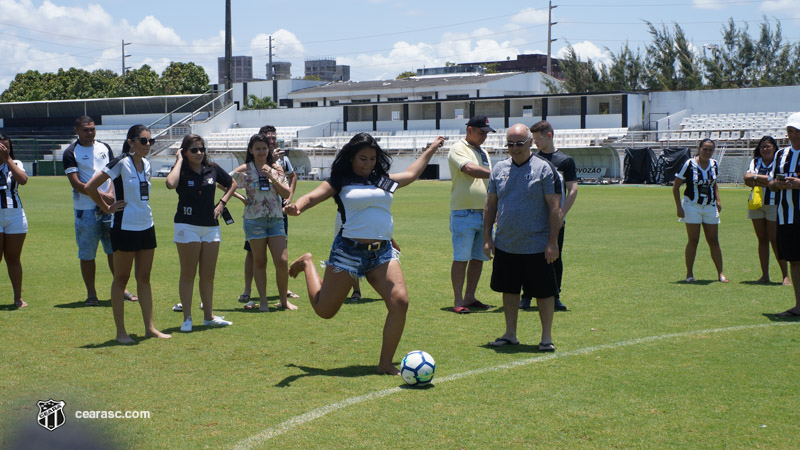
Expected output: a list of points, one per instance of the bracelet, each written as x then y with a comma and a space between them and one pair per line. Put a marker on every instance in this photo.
223, 202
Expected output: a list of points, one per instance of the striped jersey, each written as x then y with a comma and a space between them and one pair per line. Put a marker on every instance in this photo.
9, 197
700, 182
129, 185
787, 163
758, 167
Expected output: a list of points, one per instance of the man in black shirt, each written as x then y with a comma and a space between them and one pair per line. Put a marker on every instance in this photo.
543, 138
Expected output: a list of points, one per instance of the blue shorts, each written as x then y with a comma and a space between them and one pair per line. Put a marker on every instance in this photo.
357, 262
263, 227
466, 227
91, 227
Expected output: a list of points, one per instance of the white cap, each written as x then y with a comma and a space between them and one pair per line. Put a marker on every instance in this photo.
794, 121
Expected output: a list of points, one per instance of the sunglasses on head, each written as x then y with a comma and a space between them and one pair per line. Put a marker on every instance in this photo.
198, 150
145, 141
517, 143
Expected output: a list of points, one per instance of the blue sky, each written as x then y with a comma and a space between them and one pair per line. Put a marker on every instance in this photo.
377, 38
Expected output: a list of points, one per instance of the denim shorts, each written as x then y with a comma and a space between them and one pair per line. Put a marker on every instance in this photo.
91, 227
356, 261
13, 221
263, 227
466, 227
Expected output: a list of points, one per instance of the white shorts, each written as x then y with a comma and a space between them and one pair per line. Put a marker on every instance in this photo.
13, 221
696, 214
185, 233
769, 212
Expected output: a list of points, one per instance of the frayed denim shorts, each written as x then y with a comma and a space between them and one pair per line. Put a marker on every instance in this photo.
347, 257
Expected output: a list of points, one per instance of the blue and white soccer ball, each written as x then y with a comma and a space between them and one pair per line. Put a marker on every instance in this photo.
417, 368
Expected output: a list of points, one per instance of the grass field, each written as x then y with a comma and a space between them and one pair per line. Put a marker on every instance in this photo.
643, 359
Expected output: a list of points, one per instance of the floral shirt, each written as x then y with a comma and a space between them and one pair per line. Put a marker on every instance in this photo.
259, 203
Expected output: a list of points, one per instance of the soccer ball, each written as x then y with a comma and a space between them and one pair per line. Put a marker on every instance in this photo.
417, 368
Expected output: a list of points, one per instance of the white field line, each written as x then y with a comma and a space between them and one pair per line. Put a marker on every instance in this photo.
296, 421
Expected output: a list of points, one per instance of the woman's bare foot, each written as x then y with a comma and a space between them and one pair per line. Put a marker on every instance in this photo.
157, 334
391, 370
722, 279
20, 303
787, 281
288, 305
299, 265
263, 307
124, 339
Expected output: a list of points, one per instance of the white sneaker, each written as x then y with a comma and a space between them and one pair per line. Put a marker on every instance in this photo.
217, 321
186, 326
201, 306
178, 307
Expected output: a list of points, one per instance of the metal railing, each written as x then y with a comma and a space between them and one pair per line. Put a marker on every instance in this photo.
166, 137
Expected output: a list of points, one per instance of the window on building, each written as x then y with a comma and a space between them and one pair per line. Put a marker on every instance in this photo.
396, 115
334, 102
308, 104
616, 104
360, 100
427, 97
604, 107
459, 113
457, 96
397, 99
527, 110
570, 106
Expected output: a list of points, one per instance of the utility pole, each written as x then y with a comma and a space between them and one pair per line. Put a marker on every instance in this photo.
550, 24
270, 71
228, 46
124, 69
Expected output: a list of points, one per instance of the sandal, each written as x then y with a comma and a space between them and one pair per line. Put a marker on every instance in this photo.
291, 294
250, 305
244, 298
20, 304
356, 296
128, 297
548, 348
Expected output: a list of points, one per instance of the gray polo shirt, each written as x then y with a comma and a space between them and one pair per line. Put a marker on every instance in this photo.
523, 224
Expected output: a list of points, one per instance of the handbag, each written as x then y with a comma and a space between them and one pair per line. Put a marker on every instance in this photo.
756, 198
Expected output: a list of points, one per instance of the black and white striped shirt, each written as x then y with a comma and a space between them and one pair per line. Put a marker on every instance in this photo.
700, 182
787, 162
758, 167
9, 197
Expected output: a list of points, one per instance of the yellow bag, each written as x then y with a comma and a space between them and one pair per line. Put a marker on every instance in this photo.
756, 198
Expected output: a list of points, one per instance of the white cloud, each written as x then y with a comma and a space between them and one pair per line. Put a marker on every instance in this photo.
530, 16
709, 4
773, 6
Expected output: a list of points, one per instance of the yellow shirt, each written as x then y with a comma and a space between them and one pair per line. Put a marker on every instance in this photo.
467, 192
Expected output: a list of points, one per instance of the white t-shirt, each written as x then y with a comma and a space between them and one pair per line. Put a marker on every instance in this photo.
86, 161
136, 215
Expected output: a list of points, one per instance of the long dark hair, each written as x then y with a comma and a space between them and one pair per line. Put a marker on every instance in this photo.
258, 138
4, 137
133, 133
700, 145
757, 150
343, 163
186, 144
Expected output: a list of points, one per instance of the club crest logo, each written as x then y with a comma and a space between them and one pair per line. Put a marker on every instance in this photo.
51, 413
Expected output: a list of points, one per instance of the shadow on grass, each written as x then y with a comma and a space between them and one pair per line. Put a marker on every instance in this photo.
519, 348
761, 283
82, 304
114, 343
472, 310
696, 282
776, 318
364, 300
344, 372
11, 307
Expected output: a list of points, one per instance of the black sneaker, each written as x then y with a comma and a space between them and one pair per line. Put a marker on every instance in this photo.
560, 306
92, 301
525, 303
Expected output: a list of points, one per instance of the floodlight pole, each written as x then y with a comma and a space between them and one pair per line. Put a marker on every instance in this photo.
228, 47
550, 24
124, 69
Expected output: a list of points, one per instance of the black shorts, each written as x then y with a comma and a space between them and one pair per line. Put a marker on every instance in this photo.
133, 241
247, 246
789, 242
528, 272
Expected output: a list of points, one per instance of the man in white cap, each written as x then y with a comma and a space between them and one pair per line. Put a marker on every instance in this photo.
785, 179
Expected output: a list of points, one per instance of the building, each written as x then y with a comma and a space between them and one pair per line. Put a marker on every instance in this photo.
241, 69
327, 70
523, 63
281, 69
470, 69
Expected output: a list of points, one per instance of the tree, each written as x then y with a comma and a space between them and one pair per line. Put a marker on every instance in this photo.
253, 102
625, 71
660, 70
312, 78
184, 78
492, 68
579, 76
406, 74
143, 81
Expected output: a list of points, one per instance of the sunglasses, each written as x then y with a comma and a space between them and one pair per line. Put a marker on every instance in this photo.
145, 141
517, 143
198, 150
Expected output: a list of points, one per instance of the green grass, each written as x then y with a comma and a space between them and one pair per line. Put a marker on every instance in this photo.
215, 387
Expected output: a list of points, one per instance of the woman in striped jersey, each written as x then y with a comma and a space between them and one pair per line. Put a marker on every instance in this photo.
13, 224
765, 218
700, 205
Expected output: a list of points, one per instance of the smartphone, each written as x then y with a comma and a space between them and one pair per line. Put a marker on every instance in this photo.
226, 215
780, 177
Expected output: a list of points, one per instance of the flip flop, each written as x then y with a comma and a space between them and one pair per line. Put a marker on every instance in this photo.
549, 347
460, 310
291, 294
250, 305
128, 297
244, 298
690, 280
788, 313
178, 307
477, 304
356, 296
499, 342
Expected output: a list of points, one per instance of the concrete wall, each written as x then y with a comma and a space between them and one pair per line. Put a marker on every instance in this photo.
726, 101
287, 117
